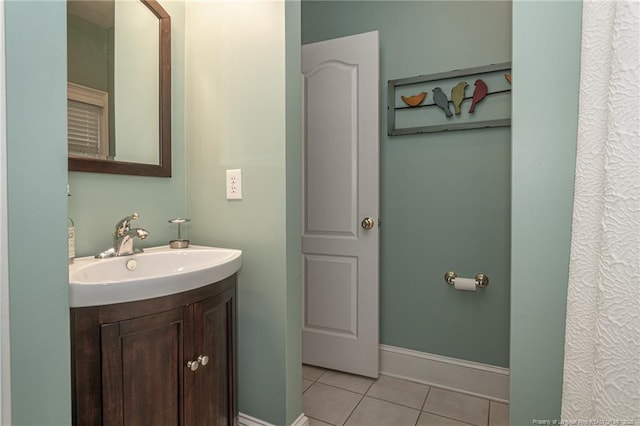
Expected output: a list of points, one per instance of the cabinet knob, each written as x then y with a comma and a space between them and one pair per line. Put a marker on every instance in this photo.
203, 360
193, 365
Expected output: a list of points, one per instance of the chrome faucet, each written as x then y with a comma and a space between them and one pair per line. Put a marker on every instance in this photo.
123, 237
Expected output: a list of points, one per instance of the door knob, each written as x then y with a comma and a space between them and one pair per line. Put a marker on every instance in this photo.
203, 360
367, 223
193, 365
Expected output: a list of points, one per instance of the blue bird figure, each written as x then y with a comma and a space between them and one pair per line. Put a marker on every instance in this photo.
441, 101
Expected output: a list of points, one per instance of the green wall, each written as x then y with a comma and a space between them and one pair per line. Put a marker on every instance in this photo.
37, 209
294, 211
37, 203
237, 117
546, 43
90, 62
88, 47
98, 200
546, 62
210, 134
444, 196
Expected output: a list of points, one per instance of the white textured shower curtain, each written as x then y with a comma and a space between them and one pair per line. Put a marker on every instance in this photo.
602, 349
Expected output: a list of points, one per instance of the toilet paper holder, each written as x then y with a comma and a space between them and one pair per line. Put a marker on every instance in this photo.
481, 279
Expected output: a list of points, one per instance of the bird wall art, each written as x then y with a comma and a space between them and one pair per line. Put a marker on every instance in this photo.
441, 101
457, 96
414, 100
479, 94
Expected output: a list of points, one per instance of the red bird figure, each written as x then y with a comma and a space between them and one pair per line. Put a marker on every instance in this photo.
478, 94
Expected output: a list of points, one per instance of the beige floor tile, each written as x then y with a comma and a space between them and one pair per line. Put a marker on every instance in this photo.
346, 381
329, 404
457, 406
310, 372
316, 422
498, 414
399, 391
428, 419
306, 384
373, 411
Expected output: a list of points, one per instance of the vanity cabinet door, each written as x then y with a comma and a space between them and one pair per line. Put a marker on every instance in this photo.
142, 370
214, 381
130, 361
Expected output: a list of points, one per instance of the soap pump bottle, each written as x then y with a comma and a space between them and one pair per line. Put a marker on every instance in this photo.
180, 243
71, 235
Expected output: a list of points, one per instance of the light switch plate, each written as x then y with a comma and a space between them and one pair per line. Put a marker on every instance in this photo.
234, 184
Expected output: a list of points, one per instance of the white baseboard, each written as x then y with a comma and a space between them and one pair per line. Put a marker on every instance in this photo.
246, 420
485, 381
301, 421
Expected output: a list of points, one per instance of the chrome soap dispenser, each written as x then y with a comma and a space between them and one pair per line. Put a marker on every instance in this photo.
180, 242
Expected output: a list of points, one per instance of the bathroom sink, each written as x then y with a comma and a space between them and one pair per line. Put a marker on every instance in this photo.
159, 271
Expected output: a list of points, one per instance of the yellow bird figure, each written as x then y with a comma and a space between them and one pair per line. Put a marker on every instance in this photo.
457, 96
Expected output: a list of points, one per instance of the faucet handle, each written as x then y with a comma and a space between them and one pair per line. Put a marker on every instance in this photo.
123, 224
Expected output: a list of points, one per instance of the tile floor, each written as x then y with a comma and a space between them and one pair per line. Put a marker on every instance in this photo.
333, 398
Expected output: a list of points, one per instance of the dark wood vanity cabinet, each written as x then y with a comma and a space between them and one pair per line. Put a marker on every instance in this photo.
164, 361
142, 369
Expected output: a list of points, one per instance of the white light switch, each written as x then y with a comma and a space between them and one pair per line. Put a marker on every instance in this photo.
234, 184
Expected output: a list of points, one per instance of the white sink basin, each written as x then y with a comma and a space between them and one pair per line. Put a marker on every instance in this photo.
159, 271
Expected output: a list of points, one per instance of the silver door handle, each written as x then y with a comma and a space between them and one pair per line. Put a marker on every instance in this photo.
367, 223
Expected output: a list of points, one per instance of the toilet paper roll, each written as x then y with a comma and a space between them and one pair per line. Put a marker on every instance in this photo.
466, 284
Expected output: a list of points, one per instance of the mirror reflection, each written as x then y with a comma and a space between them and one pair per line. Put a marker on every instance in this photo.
118, 85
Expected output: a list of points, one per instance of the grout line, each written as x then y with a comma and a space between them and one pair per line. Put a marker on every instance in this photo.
395, 403
369, 387
320, 375
324, 370
345, 388
450, 418
346, 374
354, 409
359, 402
313, 382
320, 420
425, 399
361, 399
339, 388
420, 410
422, 406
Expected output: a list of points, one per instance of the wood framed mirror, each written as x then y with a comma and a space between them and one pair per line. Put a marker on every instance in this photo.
139, 106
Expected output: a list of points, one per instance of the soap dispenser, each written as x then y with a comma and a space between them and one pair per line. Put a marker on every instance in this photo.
179, 243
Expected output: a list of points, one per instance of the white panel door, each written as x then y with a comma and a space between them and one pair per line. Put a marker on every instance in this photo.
341, 190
